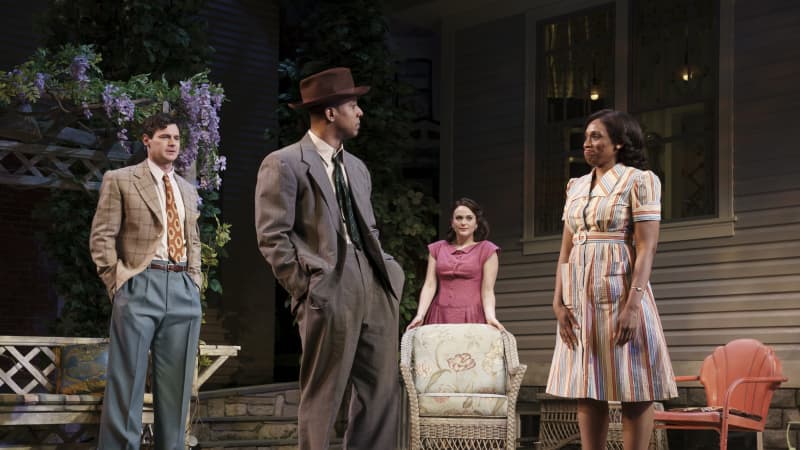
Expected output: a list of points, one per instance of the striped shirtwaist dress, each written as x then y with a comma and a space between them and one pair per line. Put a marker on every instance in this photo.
595, 283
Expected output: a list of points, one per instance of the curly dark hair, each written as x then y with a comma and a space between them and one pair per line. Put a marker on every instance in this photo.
157, 122
482, 231
623, 130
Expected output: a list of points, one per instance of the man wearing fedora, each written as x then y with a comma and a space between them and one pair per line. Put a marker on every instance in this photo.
316, 228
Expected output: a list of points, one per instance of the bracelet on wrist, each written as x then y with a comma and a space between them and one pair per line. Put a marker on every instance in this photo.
637, 288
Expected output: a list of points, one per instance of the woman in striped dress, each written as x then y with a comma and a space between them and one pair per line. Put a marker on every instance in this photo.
611, 346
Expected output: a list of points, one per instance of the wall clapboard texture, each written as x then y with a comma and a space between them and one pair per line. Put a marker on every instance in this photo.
244, 34
708, 291
488, 120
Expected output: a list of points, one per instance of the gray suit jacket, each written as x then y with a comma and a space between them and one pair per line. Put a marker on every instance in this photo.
299, 229
127, 226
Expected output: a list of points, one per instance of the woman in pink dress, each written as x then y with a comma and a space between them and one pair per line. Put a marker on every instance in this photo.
464, 269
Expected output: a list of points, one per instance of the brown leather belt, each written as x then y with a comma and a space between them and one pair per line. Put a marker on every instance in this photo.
168, 267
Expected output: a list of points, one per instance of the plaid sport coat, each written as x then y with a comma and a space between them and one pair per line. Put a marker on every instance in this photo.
127, 225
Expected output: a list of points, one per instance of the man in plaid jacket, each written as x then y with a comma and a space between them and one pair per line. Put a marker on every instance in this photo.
145, 243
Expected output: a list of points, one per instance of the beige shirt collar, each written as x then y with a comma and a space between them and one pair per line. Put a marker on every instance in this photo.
325, 150
158, 173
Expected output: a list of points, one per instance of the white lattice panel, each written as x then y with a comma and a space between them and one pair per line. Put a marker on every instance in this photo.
54, 166
30, 371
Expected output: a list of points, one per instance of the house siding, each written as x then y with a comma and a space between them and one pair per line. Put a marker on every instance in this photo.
245, 38
709, 291
488, 117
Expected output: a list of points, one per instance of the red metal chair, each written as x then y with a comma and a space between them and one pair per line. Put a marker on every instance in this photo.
739, 379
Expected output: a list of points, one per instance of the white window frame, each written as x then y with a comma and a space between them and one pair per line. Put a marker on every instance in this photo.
720, 226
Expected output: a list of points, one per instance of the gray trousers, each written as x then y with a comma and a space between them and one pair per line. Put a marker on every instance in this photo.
156, 311
351, 338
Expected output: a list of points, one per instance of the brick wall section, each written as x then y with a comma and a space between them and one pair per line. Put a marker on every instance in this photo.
28, 303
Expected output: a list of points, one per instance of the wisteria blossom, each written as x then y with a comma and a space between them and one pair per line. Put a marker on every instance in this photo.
86, 111
120, 106
202, 108
18, 79
78, 68
68, 83
76, 84
212, 165
39, 82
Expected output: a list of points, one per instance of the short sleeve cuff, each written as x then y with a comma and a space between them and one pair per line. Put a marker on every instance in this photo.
646, 198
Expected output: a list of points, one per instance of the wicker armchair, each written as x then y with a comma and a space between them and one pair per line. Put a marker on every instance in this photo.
462, 382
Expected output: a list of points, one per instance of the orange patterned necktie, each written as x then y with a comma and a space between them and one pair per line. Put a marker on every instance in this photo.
174, 233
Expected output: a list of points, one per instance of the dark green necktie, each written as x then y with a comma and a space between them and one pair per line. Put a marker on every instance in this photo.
344, 200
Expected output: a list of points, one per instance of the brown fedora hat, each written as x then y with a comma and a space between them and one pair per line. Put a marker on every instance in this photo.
328, 87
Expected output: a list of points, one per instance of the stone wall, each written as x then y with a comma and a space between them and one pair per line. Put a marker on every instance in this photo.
278, 404
254, 418
247, 414
784, 408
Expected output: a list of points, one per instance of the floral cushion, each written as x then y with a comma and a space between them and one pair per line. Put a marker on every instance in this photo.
462, 358
482, 405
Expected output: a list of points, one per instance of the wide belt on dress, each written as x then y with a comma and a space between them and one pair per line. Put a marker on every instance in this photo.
583, 237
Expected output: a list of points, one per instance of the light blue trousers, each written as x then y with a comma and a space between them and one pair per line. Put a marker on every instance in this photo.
159, 312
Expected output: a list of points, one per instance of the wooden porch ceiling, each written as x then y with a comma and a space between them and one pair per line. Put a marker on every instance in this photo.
429, 13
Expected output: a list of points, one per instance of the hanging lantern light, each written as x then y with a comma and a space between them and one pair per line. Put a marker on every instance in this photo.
594, 87
686, 71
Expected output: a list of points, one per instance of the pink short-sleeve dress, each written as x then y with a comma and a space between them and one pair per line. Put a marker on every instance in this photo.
460, 275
